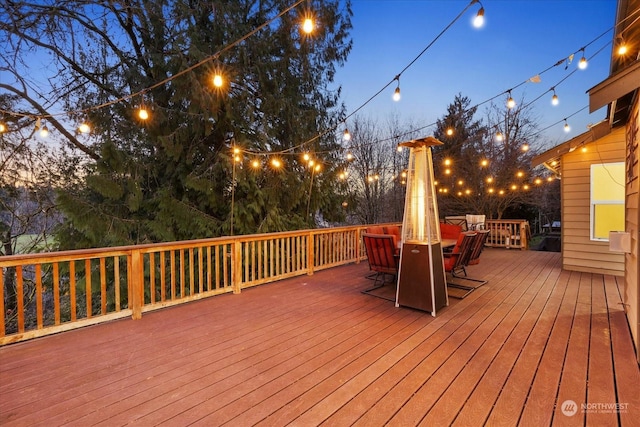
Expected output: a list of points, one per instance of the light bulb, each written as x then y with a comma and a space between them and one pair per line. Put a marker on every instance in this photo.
525, 147
396, 94
499, 136
346, 136
478, 21
44, 132
3, 127
554, 99
143, 113
567, 128
217, 80
622, 48
450, 131
583, 63
349, 156
511, 102
84, 128
307, 25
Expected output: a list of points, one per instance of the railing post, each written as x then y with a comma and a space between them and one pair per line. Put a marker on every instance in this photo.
523, 235
358, 240
137, 291
236, 266
310, 254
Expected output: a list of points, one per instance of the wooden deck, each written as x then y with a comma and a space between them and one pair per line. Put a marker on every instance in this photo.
314, 350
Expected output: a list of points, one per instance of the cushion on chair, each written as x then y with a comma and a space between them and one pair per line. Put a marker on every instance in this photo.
450, 231
375, 229
459, 256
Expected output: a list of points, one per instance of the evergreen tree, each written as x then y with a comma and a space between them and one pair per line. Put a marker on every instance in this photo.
171, 177
479, 173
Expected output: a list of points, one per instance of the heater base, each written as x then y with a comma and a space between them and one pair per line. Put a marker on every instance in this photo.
415, 287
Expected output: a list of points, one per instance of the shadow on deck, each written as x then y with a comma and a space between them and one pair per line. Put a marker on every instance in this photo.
536, 345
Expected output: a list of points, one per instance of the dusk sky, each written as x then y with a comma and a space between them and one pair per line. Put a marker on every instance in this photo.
520, 39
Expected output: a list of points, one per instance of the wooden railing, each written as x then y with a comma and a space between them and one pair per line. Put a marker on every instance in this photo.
508, 233
53, 292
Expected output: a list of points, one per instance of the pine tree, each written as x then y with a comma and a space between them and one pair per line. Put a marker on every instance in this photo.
171, 177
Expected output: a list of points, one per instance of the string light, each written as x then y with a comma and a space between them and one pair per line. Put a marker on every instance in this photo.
525, 147
143, 114
478, 21
276, 163
583, 61
622, 46
499, 136
554, 98
567, 128
84, 127
349, 156
510, 101
346, 136
396, 93
3, 127
450, 131
44, 131
217, 80
307, 25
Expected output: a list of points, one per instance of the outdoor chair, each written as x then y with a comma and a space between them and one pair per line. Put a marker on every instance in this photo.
476, 222
383, 260
457, 259
478, 246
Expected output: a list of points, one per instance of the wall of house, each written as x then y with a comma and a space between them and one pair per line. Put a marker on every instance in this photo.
579, 252
631, 297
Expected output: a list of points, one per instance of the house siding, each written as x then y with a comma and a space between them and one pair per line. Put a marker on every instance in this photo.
631, 297
579, 252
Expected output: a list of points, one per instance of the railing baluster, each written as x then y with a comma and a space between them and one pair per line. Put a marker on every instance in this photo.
103, 286
152, 277
173, 274
72, 291
87, 287
192, 287
38, 278
56, 293
116, 281
20, 298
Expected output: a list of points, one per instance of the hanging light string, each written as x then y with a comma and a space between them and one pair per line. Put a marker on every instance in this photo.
168, 79
565, 60
501, 94
397, 77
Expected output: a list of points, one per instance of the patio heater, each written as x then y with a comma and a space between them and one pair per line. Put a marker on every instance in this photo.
421, 276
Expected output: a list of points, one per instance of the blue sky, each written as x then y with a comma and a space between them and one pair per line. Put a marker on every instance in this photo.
520, 39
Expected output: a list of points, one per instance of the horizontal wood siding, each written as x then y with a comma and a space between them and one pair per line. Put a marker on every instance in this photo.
631, 294
579, 252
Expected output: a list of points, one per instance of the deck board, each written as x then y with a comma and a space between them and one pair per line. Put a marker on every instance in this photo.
314, 350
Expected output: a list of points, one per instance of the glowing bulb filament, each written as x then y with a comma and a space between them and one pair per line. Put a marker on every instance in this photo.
307, 25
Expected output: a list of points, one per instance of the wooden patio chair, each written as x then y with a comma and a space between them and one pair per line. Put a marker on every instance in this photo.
383, 260
465, 251
478, 246
457, 259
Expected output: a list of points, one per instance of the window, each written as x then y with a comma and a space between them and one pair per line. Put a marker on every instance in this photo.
607, 199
